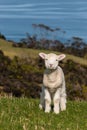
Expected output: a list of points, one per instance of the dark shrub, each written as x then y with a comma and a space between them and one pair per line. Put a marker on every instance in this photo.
23, 77
2, 36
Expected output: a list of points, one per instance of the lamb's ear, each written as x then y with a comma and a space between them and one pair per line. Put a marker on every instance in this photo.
61, 57
42, 55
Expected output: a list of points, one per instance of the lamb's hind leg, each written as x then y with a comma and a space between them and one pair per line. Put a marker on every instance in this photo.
63, 98
63, 102
42, 101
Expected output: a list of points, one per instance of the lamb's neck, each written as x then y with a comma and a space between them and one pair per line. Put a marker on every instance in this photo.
52, 75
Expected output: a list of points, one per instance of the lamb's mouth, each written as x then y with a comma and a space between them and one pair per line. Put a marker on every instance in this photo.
52, 68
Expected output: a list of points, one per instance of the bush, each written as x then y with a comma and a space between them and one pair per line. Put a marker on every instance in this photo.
84, 91
2, 36
24, 77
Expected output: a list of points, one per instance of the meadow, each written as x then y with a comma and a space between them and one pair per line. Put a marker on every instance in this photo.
24, 114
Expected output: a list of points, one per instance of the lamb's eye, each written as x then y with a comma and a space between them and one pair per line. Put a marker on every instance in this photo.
56, 60
46, 59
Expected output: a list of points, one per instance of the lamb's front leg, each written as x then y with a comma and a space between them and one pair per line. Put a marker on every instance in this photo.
63, 103
56, 101
47, 101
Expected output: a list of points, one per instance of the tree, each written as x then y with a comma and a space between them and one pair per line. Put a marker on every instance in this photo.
2, 36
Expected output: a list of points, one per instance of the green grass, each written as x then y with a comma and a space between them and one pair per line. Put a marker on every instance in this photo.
10, 51
24, 114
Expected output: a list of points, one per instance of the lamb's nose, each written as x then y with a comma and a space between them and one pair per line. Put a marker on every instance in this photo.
51, 65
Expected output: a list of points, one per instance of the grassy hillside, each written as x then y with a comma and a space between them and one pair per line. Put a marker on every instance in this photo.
24, 114
10, 51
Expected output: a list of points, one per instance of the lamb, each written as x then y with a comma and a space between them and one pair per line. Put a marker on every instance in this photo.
53, 89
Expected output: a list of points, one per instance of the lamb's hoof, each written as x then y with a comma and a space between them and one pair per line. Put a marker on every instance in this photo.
63, 108
40, 106
56, 111
47, 111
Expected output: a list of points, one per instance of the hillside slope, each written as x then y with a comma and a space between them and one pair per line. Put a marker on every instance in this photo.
11, 51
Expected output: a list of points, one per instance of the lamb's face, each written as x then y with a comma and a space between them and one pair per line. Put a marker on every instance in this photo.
51, 60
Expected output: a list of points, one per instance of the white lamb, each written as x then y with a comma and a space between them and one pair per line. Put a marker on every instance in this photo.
53, 88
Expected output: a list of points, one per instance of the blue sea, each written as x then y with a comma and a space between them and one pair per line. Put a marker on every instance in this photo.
17, 17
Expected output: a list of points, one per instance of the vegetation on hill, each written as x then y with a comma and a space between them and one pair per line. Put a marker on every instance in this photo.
21, 72
47, 38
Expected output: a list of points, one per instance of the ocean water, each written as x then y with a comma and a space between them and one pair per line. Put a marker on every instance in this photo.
17, 17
